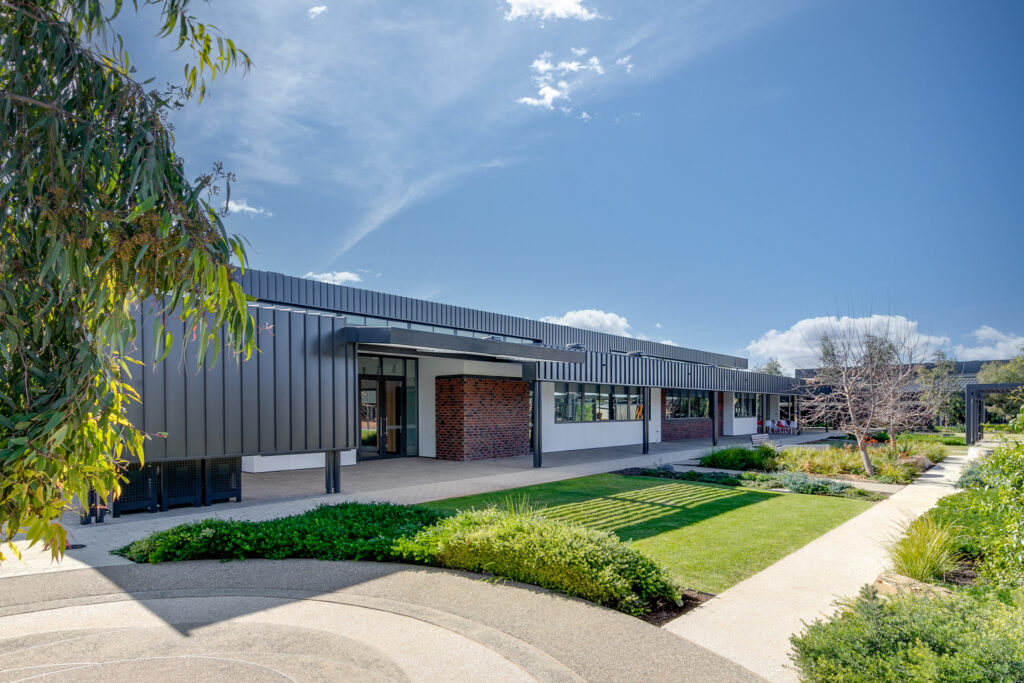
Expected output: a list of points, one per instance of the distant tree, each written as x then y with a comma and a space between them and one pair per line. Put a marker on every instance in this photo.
939, 390
1003, 407
97, 216
772, 366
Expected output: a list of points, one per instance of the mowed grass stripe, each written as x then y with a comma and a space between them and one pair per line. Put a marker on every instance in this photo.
709, 537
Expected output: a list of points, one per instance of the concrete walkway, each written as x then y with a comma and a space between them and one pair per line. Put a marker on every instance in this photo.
304, 620
404, 481
751, 623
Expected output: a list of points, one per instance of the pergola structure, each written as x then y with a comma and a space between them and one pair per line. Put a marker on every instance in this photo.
974, 405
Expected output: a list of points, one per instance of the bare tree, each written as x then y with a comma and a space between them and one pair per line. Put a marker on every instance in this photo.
861, 381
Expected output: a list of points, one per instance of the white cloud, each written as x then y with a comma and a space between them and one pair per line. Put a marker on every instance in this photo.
990, 344
585, 116
591, 319
315, 12
797, 346
626, 62
338, 277
578, 51
241, 206
669, 342
657, 325
549, 9
547, 95
548, 90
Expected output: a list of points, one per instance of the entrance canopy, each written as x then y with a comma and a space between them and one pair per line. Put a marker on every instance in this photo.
417, 341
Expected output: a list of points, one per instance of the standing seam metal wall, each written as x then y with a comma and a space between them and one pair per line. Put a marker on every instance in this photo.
294, 291
292, 396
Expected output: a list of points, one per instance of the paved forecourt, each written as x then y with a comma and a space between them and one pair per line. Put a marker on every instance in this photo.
751, 623
306, 620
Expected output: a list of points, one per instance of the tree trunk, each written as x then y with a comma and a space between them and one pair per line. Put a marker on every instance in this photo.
869, 469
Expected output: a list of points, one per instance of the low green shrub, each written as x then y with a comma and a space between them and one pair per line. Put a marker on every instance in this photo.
1003, 470
894, 472
926, 549
972, 515
348, 531
945, 439
763, 458
518, 543
968, 636
827, 461
523, 545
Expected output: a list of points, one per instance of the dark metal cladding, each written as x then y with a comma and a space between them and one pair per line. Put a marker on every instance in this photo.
288, 291
293, 395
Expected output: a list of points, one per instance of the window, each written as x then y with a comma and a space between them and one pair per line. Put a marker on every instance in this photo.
686, 404
620, 403
745, 405
589, 402
596, 403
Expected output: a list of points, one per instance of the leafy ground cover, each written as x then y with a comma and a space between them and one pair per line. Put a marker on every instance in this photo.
707, 537
514, 542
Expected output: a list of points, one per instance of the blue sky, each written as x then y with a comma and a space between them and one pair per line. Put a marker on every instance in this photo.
717, 174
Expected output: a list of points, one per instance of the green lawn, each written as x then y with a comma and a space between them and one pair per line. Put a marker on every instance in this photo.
709, 537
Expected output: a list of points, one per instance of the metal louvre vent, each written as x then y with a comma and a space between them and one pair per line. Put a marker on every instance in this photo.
139, 492
223, 479
180, 483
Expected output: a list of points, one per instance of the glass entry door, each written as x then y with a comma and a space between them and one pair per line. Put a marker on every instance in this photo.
387, 407
391, 416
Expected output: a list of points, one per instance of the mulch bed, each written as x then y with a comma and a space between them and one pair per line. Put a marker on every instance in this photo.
666, 613
964, 575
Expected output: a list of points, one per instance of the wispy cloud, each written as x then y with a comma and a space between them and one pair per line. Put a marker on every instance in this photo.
338, 277
242, 206
549, 9
390, 103
592, 319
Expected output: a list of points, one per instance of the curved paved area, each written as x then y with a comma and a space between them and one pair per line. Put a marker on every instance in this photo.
264, 620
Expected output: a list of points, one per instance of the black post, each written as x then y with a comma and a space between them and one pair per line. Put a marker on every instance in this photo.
647, 420
538, 448
714, 418
332, 471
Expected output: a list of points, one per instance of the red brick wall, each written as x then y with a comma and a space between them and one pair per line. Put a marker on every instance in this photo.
688, 428
482, 417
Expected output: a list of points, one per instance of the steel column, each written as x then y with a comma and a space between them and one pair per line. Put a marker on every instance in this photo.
714, 418
538, 448
647, 420
332, 471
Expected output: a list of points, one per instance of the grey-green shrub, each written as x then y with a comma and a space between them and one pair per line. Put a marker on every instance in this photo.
966, 637
524, 545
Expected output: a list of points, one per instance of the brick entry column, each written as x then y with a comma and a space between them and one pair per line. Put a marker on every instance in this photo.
482, 417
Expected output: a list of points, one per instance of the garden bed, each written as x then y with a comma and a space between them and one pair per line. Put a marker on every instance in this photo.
898, 464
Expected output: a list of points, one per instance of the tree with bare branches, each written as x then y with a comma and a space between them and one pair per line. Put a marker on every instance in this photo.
862, 380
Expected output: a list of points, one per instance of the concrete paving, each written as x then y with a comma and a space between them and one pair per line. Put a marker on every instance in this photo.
751, 623
304, 620
404, 481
